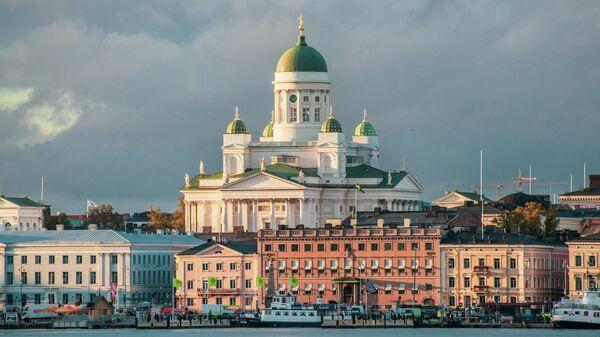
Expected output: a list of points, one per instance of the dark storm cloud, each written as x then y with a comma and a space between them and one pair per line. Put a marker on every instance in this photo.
156, 83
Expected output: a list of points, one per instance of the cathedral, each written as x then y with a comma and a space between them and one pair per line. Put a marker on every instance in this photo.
302, 170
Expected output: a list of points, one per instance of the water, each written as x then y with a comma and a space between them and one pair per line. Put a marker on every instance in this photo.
248, 332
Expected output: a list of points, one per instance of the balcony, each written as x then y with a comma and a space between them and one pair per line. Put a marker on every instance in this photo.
481, 289
218, 291
481, 269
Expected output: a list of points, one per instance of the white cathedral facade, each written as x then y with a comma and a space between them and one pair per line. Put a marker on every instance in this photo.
302, 170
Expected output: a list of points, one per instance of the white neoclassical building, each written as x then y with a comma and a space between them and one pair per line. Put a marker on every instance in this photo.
302, 170
20, 214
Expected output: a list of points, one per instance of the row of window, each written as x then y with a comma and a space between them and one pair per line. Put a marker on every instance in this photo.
349, 263
305, 115
348, 247
51, 277
591, 261
151, 277
219, 266
140, 259
219, 300
482, 299
37, 259
512, 263
219, 284
481, 282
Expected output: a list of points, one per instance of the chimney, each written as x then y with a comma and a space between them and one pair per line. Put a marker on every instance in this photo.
353, 222
406, 222
60, 227
160, 231
299, 226
92, 226
380, 222
594, 181
137, 231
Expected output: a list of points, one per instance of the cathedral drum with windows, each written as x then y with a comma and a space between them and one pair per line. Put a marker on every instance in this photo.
302, 171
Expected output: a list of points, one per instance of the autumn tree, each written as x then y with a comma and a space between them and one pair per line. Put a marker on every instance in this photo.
158, 218
178, 215
528, 219
105, 217
51, 221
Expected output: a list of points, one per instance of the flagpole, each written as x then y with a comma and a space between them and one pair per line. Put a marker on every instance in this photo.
355, 203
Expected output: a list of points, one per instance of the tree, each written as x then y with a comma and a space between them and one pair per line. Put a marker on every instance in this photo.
105, 217
158, 218
528, 219
551, 222
51, 221
530, 222
179, 215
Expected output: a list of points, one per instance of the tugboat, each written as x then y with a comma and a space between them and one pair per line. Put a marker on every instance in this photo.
285, 311
581, 313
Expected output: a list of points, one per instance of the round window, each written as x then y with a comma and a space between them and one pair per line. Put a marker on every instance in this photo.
293, 98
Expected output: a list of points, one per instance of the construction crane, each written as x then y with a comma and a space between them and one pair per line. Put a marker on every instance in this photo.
497, 186
519, 179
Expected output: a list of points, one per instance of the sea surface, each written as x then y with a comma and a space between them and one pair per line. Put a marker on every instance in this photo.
302, 332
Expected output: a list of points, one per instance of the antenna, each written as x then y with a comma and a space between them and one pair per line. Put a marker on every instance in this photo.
584, 175
481, 187
571, 183
42, 191
529, 179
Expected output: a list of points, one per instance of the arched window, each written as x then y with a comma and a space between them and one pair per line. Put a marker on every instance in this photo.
7, 227
329, 163
234, 165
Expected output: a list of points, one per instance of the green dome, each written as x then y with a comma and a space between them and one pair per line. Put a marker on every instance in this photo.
365, 128
236, 126
331, 125
268, 131
301, 57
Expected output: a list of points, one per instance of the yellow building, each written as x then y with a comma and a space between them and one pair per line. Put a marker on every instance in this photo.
501, 268
584, 271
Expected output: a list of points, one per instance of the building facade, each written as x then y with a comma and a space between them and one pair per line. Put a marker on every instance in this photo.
379, 267
302, 170
501, 268
231, 267
584, 271
78, 265
21, 214
587, 197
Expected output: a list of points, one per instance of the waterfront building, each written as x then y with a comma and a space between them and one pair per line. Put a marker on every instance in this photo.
21, 214
584, 271
69, 266
501, 268
379, 267
219, 273
302, 170
587, 197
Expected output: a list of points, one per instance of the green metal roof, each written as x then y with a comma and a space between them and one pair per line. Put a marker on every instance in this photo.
22, 201
236, 126
365, 128
331, 125
301, 57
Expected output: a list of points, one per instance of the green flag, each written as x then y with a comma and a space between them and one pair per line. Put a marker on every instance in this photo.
358, 188
177, 283
293, 282
212, 281
260, 282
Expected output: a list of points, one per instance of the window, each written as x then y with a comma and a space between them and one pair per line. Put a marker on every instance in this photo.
38, 277
317, 115
190, 301
387, 246
248, 265
114, 277
428, 246
65, 277
400, 246
512, 263
481, 262
482, 281
204, 300
374, 247
578, 283
452, 301
592, 261
232, 266
232, 284
51, 278
9, 259
65, 259
65, 298
281, 248
451, 263
23, 259
220, 266
78, 278
317, 99
497, 299
51, 299
467, 282
38, 259
496, 263
9, 278
361, 247
205, 284
114, 259
293, 115
496, 282
321, 247
513, 282
414, 246
37, 299
294, 247
232, 301
268, 248
190, 266
333, 247
305, 114
305, 99
219, 284
451, 282
513, 299
205, 267
79, 259
93, 259
248, 284
467, 263
190, 285
9, 299
307, 247
23, 277
92, 277
578, 260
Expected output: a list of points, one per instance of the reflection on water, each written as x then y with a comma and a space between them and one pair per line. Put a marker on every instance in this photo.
244, 332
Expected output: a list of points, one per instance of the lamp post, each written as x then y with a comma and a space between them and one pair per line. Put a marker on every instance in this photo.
21, 270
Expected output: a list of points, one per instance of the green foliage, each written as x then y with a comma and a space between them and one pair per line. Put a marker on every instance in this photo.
106, 218
51, 221
528, 220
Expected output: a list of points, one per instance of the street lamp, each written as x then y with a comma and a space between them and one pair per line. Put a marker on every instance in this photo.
21, 270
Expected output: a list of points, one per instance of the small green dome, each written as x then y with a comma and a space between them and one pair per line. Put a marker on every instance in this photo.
301, 57
365, 128
331, 124
236, 126
268, 131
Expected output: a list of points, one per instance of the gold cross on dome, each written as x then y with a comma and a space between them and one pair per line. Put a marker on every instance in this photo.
301, 25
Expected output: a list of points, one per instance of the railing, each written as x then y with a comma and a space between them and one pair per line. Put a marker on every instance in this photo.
481, 269
348, 232
481, 288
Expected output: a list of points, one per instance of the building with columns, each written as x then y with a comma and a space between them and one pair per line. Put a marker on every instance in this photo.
21, 214
302, 170
70, 266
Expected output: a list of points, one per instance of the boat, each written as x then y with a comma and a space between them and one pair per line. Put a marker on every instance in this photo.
286, 311
581, 313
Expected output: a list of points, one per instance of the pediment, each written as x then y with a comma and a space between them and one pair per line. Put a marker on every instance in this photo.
218, 250
262, 181
234, 146
451, 198
408, 183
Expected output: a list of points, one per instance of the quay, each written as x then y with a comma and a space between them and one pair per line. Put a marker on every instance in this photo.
349, 323
185, 324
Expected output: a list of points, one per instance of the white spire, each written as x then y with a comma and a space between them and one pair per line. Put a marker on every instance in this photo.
364, 114
301, 25
331, 111
237, 112
272, 116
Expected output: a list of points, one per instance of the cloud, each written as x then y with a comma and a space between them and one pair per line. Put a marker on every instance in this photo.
33, 116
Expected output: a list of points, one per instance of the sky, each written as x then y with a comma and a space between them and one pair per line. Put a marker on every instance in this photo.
115, 101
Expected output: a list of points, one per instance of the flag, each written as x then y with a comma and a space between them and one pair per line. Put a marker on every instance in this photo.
358, 188
177, 283
260, 282
212, 281
90, 204
293, 282
113, 291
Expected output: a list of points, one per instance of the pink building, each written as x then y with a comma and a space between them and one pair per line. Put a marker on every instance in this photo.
218, 273
377, 266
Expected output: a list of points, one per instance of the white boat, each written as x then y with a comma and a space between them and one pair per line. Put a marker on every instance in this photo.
581, 313
285, 311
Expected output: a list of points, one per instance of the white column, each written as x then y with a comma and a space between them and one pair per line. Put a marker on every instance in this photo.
244, 213
254, 215
311, 213
224, 216
214, 216
388, 205
239, 213
201, 216
287, 213
273, 214
187, 215
301, 211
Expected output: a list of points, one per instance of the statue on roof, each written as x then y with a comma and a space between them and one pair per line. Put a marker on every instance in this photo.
263, 166
301, 176
389, 178
187, 180
225, 177
201, 167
